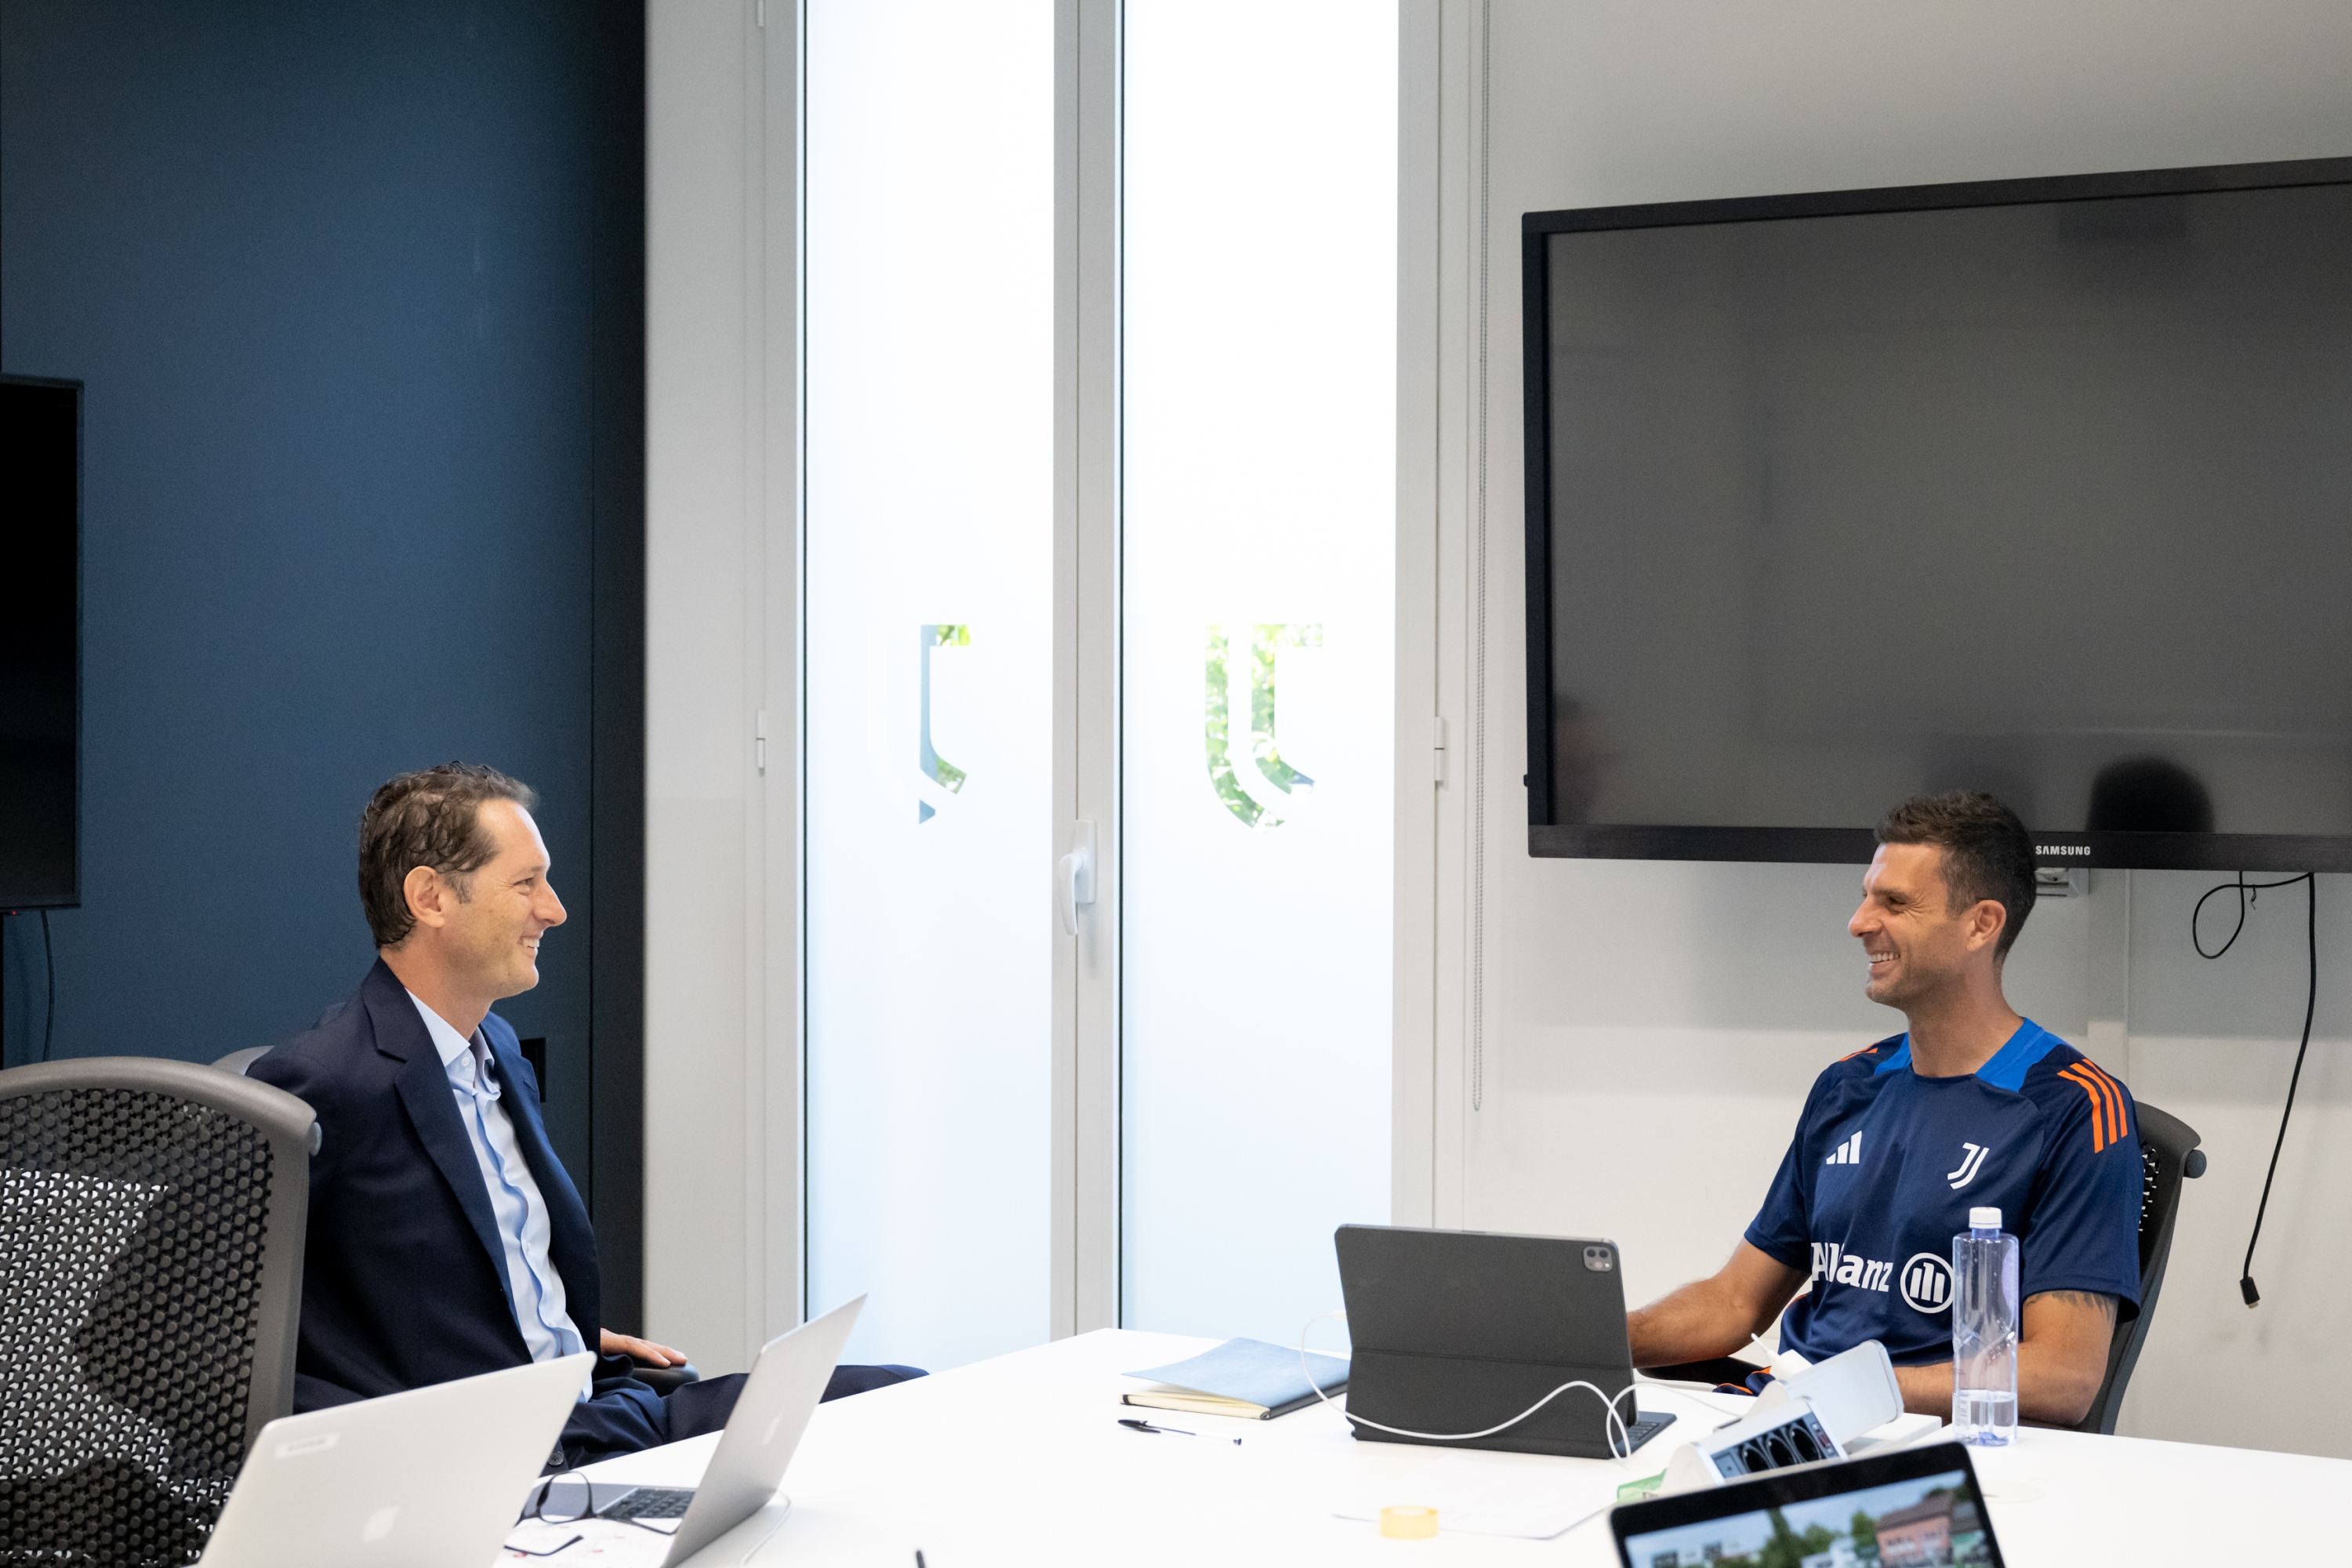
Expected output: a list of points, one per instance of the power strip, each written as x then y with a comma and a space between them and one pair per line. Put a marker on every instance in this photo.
1852, 1391
1786, 1435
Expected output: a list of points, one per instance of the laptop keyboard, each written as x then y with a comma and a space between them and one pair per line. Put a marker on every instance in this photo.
1644, 1427
650, 1502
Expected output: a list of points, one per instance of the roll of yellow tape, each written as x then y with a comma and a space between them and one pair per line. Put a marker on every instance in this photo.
1409, 1524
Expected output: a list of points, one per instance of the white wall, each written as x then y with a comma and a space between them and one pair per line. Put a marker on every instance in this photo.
722, 1004
1637, 1038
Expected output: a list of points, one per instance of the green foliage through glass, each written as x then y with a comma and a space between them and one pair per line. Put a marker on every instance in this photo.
1266, 753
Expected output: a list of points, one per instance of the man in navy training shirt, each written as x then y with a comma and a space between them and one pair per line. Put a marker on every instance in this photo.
1973, 1105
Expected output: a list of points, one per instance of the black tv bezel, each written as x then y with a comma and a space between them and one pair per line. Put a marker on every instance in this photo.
71, 900
1802, 1483
1548, 839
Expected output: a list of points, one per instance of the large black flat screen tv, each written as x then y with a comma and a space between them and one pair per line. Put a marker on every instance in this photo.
2042, 486
40, 642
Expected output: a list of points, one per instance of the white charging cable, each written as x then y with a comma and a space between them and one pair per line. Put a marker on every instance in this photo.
785, 1498
541, 1491
1613, 1430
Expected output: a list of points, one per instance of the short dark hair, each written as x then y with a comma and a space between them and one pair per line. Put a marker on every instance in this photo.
432, 818
1987, 853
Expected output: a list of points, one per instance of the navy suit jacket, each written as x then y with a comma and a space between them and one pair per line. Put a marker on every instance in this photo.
404, 1275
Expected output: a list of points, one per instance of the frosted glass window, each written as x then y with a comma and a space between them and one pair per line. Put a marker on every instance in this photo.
1258, 638
929, 339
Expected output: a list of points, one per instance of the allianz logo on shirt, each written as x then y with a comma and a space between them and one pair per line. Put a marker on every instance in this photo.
1928, 1282
1927, 1279
1833, 1264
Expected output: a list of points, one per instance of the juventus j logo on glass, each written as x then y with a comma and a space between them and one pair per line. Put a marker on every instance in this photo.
1972, 1158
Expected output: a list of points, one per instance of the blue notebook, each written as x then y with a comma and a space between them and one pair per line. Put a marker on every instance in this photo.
1247, 1378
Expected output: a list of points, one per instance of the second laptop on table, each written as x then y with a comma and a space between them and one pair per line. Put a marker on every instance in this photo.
747, 1466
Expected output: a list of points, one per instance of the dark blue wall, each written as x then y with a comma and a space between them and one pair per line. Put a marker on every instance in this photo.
356, 293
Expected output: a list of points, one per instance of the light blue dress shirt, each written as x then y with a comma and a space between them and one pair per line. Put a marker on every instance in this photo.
516, 1202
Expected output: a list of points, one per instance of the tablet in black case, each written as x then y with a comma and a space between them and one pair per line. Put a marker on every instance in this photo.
1457, 1331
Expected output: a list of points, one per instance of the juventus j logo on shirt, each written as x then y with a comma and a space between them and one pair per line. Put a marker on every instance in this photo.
1972, 1158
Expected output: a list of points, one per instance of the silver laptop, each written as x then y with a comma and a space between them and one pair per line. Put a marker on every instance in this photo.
747, 1466
419, 1479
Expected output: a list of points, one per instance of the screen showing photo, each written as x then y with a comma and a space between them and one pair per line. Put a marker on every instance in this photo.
1928, 1523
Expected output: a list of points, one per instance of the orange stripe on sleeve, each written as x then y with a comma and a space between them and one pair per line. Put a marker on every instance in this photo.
2100, 1081
2099, 1105
2119, 1118
2106, 1113
2075, 1076
2108, 1096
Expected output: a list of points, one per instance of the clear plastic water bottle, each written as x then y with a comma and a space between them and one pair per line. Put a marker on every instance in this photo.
1984, 1331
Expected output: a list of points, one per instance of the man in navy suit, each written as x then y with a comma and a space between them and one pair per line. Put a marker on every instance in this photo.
445, 1238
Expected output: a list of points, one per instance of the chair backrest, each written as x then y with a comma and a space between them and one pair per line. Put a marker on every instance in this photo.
2168, 1155
151, 1218
238, 1061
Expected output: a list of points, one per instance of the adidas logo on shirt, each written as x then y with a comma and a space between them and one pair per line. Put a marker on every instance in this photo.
1846, 1153
1834, 1264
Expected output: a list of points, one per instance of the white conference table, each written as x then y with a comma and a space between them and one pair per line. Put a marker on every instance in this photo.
1019, 1461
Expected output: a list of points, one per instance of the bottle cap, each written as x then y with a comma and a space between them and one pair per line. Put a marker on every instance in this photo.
1984, 1219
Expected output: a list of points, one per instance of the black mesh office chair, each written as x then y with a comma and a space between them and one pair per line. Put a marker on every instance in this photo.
151, 1218
2168, 1155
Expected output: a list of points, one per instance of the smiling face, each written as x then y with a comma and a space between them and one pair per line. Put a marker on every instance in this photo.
488, 940
1915, 943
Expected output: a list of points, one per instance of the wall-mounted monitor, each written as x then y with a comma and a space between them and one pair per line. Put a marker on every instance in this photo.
40, 642
2042, 486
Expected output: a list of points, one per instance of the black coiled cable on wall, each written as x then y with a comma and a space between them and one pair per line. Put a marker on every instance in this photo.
2310, 881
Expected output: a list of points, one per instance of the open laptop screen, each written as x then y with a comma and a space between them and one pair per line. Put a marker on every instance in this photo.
1914, 1508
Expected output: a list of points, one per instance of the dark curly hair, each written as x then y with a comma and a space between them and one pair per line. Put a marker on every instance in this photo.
428, 819
1987, 853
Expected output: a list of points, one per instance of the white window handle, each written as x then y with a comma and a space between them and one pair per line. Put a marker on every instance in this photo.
1077, 876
